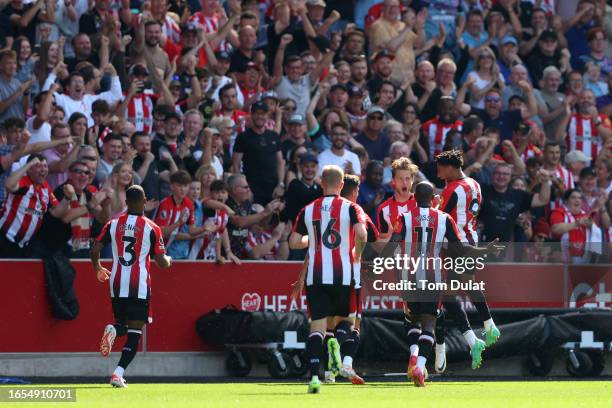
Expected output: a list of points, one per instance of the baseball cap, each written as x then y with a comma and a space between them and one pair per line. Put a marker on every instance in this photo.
338, 86
309, 158
548, 34
587, 172
259, 105
251, 65
173, 115
189, 27
138, 70
382, 54
576, 156
175, 82
269, 95
296, 118
375, 109
355, 91
509, 39
522, 128
222, 55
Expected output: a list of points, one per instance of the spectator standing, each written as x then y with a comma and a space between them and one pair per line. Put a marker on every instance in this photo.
372, 138
259, 150
29, 198
61, 157
371, 191
398, 36
244, 216
176, 211
502, 204
338, 154
12, 91
72, 233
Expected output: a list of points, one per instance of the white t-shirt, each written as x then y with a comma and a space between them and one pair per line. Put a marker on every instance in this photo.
327, 157
42, 134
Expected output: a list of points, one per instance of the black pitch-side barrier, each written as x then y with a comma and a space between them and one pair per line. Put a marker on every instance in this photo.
538, 334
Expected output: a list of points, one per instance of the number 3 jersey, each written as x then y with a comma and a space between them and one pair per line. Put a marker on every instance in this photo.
329, 221
134, 239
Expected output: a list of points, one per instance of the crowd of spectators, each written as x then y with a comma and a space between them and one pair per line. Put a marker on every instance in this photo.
226, 112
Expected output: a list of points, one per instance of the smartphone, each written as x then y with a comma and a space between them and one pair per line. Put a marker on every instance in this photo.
148, 85
36, 49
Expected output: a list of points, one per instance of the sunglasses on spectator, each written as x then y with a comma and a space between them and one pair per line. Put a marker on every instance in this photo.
492, 99
81, 172
376, 117
485, 56
290, 108
89, 158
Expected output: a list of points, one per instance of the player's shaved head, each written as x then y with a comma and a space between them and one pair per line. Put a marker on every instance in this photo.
135, 198
423, 193
332, 178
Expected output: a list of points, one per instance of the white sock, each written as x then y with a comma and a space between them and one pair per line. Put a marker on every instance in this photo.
421, 361
470, 338
441, 348
119, 371
414, 350
347, 361
488, 324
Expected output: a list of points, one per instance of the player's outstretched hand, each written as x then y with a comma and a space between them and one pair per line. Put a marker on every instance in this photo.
103, 274
495, 248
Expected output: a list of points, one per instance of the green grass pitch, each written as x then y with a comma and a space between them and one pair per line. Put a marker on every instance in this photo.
471, 394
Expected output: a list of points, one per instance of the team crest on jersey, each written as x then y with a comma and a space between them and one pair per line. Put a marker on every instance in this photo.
163, 214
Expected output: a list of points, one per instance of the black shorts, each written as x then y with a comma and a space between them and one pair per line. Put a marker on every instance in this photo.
328, 300
125, 309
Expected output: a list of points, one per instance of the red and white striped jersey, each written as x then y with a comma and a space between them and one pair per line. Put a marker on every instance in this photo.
329, 223
462, 200
257, 238
140, 112
211, 26
423, 231
582, 135
389, 210
568, 181
531, 150
134, 238
575, 239
169, 213
204, 248
22, 213
435, 133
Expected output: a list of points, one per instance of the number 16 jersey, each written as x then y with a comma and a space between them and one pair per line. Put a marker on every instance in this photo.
328, 221
134, 239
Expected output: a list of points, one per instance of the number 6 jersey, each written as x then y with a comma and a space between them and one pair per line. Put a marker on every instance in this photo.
134, 239
328, 221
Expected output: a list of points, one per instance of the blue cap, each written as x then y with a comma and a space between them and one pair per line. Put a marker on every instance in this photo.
509, 39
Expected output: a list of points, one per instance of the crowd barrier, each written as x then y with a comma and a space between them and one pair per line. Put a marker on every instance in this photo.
189, 289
